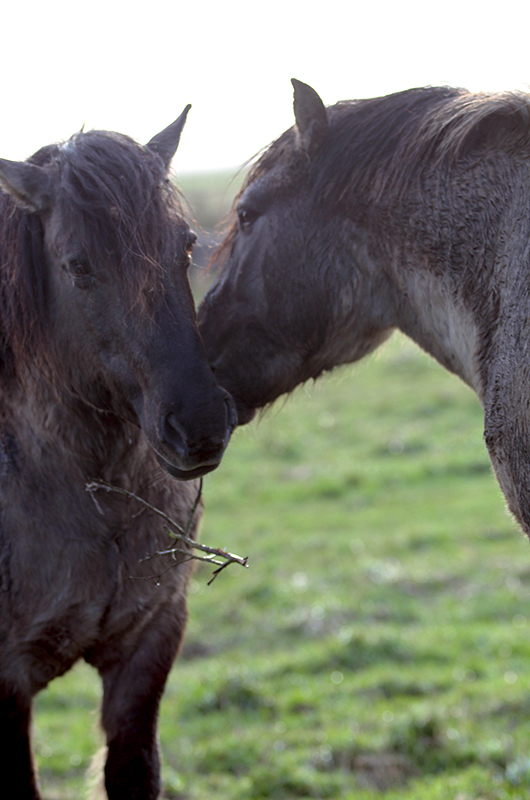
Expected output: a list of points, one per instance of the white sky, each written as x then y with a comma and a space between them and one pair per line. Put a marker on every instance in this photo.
132, 67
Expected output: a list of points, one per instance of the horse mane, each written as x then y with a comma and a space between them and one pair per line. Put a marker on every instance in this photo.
377, 149
380, 147
115, 195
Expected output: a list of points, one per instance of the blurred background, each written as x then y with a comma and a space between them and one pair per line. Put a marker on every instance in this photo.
378, 645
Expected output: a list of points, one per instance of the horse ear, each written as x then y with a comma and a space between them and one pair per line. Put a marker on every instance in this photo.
28, 184
166, 142
311, 118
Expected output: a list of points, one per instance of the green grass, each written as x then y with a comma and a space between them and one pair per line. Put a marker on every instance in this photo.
378, 644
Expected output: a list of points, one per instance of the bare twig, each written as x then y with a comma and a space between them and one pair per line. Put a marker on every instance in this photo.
176, 531
194, 508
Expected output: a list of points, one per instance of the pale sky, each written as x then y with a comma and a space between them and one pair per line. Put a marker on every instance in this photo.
132, 67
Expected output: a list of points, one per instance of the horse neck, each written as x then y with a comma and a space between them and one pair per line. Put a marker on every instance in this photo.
443, 251
435, 316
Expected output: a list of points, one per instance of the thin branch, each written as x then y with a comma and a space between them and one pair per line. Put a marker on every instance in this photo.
180, 533
194, 508
94, 486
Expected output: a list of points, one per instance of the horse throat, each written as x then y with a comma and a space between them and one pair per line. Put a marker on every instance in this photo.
54, 429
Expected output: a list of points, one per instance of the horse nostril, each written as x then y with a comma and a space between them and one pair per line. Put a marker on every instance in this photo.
174, 436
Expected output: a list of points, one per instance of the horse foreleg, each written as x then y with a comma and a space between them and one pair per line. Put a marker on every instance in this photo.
15, 748
132, 691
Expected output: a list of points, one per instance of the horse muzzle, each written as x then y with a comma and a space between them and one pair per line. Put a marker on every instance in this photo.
187, 451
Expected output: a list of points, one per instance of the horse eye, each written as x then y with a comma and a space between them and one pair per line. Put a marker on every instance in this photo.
246, 217
192, 238
78, 269
80, 272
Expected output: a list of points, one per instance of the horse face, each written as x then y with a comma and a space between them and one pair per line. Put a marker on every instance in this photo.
293, 298
121, 325
141, 359
265, 320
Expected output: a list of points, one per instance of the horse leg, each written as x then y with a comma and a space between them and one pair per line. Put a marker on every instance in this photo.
15, 747
132, 689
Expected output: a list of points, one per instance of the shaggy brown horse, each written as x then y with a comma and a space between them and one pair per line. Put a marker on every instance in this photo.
102, 378
408, 211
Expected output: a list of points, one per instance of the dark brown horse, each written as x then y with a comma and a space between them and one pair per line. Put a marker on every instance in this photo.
102, 377
409, 211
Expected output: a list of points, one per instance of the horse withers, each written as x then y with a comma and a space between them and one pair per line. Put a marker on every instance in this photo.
408, 211
103, 378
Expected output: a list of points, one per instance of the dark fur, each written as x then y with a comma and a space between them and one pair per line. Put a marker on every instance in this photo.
102, 377
408, 211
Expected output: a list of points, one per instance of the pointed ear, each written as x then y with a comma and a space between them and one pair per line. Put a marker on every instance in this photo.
29, 185
311, 118
166, 142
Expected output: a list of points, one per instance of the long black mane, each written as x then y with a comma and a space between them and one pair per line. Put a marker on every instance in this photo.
114, 194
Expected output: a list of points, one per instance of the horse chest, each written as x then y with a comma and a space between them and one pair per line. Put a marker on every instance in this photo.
72, 579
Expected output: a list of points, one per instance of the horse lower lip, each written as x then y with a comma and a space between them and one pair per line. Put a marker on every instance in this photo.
187, 474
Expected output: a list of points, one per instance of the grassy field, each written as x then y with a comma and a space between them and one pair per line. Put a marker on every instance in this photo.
378, 645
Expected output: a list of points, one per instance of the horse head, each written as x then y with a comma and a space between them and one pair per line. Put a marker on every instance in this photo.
100, 298
287, 305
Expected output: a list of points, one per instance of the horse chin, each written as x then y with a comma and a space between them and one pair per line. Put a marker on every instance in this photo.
185, 474
245, 414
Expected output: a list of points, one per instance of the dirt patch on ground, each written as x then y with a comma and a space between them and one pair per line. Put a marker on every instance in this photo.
380, 771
